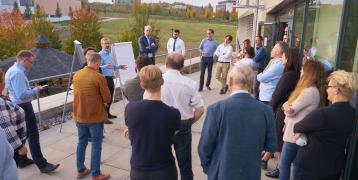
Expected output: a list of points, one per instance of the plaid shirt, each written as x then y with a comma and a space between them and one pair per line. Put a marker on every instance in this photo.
12, 121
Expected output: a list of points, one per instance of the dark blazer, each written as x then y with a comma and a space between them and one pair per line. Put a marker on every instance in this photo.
145, 48
236, 130
327, 130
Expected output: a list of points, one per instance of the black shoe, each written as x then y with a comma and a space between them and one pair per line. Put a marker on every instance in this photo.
208, 87
110, 116
263, 164
273, 174
226, 88
200, 89
222, 91
49, 168
25, 162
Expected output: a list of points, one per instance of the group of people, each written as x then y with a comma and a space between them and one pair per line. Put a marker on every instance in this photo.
279, 109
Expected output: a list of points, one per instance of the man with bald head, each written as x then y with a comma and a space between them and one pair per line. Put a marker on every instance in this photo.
182, 93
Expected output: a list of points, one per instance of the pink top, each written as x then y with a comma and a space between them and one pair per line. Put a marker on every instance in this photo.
306, 102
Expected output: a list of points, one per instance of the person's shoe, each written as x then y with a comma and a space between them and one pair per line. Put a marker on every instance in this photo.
83, 174
222, 91
208, 87
273, 174
108, 122
263, 164
49, 168
110, 116
226, 88
200, 89
101, 177
25, 162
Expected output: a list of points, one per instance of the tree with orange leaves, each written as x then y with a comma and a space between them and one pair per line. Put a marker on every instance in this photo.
15, 34
84, 27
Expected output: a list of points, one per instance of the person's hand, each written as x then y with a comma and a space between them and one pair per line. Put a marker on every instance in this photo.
109, 66
39, 88
124, 67
296, 136
23, 150
126, 133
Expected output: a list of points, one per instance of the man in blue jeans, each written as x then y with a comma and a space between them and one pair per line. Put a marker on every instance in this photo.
91, 95
182, 93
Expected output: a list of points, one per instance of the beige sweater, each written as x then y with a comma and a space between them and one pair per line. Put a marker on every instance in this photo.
306, 102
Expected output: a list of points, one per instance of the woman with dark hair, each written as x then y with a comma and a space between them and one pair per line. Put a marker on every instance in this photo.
285, 86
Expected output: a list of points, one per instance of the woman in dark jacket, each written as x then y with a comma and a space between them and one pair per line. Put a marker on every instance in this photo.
285, 86
327, 130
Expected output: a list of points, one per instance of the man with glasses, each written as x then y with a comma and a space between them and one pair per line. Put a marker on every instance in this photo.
147, 44
207, 48
21, 94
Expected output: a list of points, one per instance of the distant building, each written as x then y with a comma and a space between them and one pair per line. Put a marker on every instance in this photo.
102, 1
8, 5
178, 5
127, 1
224, 6
50, 6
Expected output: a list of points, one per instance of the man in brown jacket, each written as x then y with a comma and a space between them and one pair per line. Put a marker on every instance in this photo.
91, 95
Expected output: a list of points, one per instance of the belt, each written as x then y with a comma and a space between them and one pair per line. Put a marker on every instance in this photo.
222, 62
185, 121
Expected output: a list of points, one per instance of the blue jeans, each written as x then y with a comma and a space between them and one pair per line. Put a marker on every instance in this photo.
96, 133
182, 146
288, 155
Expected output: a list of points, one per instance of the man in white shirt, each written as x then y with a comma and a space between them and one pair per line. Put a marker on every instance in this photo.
223, 52
175, 44
182, 93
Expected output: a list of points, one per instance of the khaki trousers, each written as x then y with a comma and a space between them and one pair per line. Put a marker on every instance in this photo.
221, 72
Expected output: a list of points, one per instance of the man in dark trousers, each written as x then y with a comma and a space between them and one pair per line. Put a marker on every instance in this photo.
260, 57
147, 44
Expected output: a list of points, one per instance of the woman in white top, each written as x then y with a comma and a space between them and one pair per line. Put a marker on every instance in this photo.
249, 53
308, 95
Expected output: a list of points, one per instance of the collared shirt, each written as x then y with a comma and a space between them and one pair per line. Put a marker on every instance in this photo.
248, 62
224, 52
179, 46
12, 121
260, 56
239, 91
106, 58
268, 79
182, 93
18, 84
207, 47
8, 168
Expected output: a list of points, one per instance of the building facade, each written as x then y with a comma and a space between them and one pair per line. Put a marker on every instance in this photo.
227, 5
324, 29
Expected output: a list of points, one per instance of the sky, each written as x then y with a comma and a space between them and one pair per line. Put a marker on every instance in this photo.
193, 2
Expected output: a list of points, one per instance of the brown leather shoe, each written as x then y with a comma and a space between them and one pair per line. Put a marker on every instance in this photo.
83, 174
108, 122
101, 177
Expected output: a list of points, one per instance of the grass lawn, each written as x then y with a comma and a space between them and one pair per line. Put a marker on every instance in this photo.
191, 32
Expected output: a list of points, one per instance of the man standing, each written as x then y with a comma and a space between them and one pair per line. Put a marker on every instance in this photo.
235, 132
223, 52
108, 68
260, 57
269, 77
90, 96
207, 48
175, 44
21, 94
147, 44
182, 93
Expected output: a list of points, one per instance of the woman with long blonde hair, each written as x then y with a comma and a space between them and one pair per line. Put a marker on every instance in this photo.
308, 95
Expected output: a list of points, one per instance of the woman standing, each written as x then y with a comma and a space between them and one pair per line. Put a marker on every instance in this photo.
307, 96
327, 130
284, 88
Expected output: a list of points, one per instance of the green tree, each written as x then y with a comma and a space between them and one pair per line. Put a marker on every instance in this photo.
40, 25
84, 27
58, 12
16, 7
70, 12
135, 27
27, 12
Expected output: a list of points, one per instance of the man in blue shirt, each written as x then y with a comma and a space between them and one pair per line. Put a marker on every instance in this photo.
108, 68
21, 94
207, 48
147, 44
260, 58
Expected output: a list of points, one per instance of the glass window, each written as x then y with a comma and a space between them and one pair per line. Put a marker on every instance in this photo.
323, 22
349, 61
297, 31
